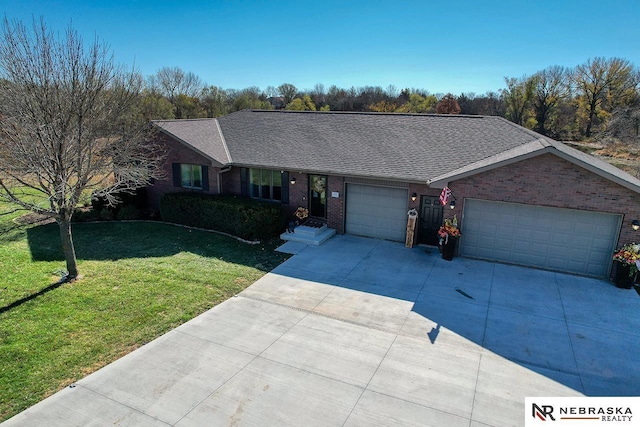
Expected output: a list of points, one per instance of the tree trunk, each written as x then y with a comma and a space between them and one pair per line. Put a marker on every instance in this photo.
592, 114
68, 248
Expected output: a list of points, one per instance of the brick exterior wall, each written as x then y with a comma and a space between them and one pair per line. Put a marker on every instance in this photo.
178, 153
230, 182
545, 180
422, 190
298, 192
335, 205
548, 180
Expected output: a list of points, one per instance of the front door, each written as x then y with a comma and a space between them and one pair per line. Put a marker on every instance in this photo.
430, 220
318, 196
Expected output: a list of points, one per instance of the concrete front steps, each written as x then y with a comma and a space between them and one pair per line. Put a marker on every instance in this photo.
309, 235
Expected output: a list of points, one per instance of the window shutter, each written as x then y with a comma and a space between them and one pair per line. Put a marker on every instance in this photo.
205, 178
285, 187
177, 176
244, 185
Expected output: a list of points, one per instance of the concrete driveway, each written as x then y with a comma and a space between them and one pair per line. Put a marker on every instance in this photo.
367, 332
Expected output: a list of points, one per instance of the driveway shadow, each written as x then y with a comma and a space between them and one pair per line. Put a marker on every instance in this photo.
577, 331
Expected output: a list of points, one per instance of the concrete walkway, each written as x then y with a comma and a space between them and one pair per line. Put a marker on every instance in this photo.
366, 332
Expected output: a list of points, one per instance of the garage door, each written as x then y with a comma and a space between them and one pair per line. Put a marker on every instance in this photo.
567, 240
379, 212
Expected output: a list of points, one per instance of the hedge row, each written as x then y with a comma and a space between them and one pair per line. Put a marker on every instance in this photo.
130, 206
243, 217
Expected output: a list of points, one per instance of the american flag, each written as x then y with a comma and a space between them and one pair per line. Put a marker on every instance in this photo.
444, 196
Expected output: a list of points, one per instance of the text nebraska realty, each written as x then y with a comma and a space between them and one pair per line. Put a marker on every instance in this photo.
604, 414
610, 413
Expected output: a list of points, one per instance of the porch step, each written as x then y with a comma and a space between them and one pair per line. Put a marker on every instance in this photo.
309, 235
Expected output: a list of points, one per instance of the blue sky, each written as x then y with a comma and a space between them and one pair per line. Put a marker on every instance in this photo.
441, 46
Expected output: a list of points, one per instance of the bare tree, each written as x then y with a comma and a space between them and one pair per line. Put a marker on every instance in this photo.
287, 91
270, 92
318, 94
66, 126
392, 92
174, 81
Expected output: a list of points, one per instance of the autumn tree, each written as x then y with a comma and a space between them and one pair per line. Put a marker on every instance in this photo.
153, 106
418, 104
301, 104
215, 101
383, 107
188, 107
66, 126
448, 105
602, 85
549, 87
247, 98
517, 98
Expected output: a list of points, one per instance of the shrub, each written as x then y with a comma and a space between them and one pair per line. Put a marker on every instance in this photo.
128, 212
84, 215
138, 199
106, 214
242, 217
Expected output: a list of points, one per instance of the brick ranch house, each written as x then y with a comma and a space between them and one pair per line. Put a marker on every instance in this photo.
520, 197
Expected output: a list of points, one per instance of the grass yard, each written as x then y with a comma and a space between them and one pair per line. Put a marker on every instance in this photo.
138, 281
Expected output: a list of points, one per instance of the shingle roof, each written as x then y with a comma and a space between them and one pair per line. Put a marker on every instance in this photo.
203, 135
407, 147
414, 147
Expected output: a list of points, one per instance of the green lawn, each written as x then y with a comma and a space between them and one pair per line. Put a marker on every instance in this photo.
138, 280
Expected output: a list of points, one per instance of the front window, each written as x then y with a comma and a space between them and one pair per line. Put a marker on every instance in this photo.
191, 176
265, 184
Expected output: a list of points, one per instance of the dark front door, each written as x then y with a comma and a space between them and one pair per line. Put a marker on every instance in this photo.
318, 196
430, 220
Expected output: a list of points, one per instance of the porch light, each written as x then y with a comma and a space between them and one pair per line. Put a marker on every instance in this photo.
635, 224
293, 180
414, 196
452, 204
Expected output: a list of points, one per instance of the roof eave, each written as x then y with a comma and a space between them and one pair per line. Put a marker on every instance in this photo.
527, 151
622, 178
417, 180
214, 162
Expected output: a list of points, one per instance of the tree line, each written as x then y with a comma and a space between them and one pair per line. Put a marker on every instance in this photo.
597, 99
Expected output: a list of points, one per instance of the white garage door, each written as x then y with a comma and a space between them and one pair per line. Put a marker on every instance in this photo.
567, 240
379, 212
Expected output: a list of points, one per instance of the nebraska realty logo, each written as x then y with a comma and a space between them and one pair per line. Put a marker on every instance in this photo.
582, 411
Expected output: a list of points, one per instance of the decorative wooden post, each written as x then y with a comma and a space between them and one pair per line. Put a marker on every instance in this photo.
411, 227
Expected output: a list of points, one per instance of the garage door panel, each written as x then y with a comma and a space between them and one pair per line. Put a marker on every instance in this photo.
541, 236
566, 240
555, 263
379, 212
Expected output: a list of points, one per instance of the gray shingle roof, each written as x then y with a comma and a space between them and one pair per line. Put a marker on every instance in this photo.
407, 147
203, 135
414, 147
